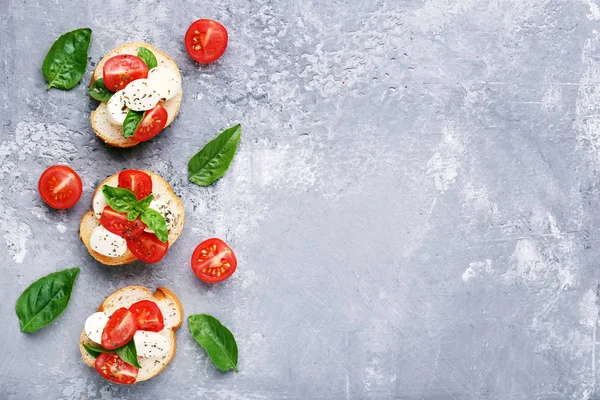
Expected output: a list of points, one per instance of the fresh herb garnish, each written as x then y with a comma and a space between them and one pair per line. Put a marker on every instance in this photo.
99, 91
210, 163
65, 63
45, 299
148, 57
132, 121
216, 339
125, 201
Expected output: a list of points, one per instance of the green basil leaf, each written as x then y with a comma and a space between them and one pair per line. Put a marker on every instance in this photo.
99, 92
210, 163
66, 60
144, 203
148, 57
156, 223
132, 215
119, 199
128, 353
45, 299
216, 339
95, 351
132, 121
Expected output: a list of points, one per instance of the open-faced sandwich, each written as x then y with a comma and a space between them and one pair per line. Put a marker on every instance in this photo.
136, 215
131, 337
139, 89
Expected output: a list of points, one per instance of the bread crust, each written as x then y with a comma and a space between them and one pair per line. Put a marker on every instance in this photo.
174, 104
89, 222
161, 294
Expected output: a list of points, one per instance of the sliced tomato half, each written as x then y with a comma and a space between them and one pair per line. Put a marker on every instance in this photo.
112, 368
118, 224
213, 261
148, 316
147, 247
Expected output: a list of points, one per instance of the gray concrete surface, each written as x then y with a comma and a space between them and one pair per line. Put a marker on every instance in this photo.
414, 205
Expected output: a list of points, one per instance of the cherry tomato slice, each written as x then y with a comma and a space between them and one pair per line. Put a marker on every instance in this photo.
148, 316
206, 40
118, 224
111, 367
138, 182
60, 187
147, 247
152, 124
213, 261
120, 70
119, 329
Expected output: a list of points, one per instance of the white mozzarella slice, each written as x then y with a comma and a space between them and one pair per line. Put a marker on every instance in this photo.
99, 203
116, 110
141, 95
94, 326
166, 210
107, 243
167, 82
151, 344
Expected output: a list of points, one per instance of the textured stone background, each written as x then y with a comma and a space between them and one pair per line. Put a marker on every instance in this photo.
414, 204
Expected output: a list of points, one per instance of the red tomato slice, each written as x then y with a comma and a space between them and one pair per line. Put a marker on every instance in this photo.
206, 40
153, 122
111, 367
119, 71
213, 261
119, 329
147, 247
118, 224
138, 182
148, 316
60, 187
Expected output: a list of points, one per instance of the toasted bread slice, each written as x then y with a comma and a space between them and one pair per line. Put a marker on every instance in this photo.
161, 190
113, 134
172, 312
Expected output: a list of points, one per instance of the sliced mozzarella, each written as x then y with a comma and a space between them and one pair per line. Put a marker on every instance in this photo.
107, 243
141, 95
166, 210
167, 82
99, 203
151, 344
116, 110
94, 326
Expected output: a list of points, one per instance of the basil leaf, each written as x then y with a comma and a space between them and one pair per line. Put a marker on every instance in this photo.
45, 299
210, 163
119, 199
132, 215
132, 121
128, 353
66, 60
95, 351
156, 223
148, 57
216, 339
99, 91
144, 203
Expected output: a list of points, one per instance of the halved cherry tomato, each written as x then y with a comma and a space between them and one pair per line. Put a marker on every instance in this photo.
111, 367
118, 224
147, 247
213, 261
153, 122
120, 70
206, 40
60, 187
119, 329
148, 316
138, 182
